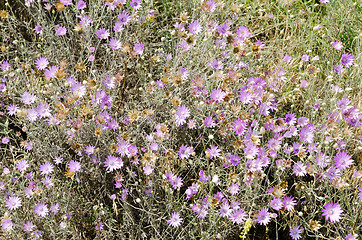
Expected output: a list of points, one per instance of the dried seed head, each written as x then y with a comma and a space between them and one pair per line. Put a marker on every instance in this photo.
59, 6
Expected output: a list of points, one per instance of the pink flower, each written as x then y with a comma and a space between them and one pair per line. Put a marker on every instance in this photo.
317, 27
38, 30
41, 63
91, 58
287, 58
214, 151
305, 58
102, 33
218, 95
66, 2
238, 216
343, 160
351, 237
276, 204
347, 59
124, 18
41, 209
61, 31
22, 165
28, 227
225, 210
295, 232
299, 169
332, 212
81, 5
118, 27
234, 188
54, 208
113, 163
304, 84
209, 122
148, 170
7, 224
239, 127
263, 216
46, 168
123, 148
136, 4
138, 48
184, 152
289, 203
5, 140
181, 115
115, 44
51, 71
74, 166
195, 27
223, 29
13, 202
175, 220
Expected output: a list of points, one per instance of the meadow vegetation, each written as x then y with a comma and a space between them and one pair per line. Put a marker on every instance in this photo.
144, 119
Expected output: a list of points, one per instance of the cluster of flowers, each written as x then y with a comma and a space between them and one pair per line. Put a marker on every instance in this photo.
247, 136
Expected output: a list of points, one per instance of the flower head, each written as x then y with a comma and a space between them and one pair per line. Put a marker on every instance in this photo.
351, 237
347, 59
102, 33
46, 168
218, 95
343, 160
339, 68
238, 216
299, 168
22, 165
74, 166
332, 212
41, 209
288, 203
223, 29
28, 227
81, 5
41, 63
115, 44
263, 216
61, 31
195, 27
175, 220
305, 58
51, 72
54, 208
7, 224
295, 232
225, 210
12, 109
214, 151
276, 204
209, 122
337, 45
38, 30
138, 48
13, 202
181, 114
113, 163
184, 152
234, 188
148, 170
136, 4
124, 18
